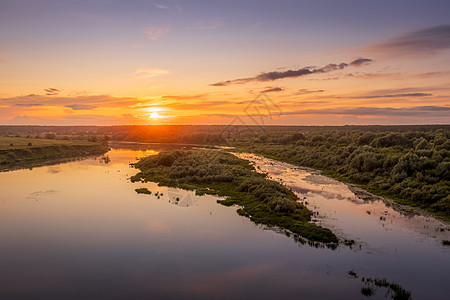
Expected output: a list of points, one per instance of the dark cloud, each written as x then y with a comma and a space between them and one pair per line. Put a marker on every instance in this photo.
403, 95
418, 111
306, 91
360, 62
93, 100
52, 91
27, 104
421, 42
270, 76
276, 89
81, 107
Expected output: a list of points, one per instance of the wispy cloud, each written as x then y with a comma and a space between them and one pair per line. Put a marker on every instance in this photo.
416, 43
210, 24
156, 33
419, 111
52, 91
27, 104
147, 73
405, 95
271, 89
360, 62
306, 91
184, 97
33, 100
161, 6
81, 107
270, 76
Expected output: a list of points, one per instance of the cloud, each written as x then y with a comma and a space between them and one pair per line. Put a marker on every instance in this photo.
183, 97
393, 96
199, 105
52, 91
146, 73
360, 62
416, 43
306, 91
81, 107
33, 100
275, 75
155, 33
210, 24
27, 104
276, 89
417, 111
160, 6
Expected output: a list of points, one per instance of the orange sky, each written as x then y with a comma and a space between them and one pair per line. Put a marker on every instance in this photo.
178, 62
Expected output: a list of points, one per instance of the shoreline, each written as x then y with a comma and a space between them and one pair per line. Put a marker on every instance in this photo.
25, 158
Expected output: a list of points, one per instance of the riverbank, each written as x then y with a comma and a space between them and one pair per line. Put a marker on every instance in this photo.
427, 192
18, 153
261, 200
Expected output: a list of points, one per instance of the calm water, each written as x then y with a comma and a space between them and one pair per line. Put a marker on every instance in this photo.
79, 231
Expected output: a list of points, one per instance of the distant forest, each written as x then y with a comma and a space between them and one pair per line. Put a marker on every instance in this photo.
409, 163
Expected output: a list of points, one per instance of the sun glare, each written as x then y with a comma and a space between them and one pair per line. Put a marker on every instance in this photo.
154, 115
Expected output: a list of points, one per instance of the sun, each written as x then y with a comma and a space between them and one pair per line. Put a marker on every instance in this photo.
154, 115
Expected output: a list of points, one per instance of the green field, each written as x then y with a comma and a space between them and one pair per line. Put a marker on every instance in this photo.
9, 143
20, 152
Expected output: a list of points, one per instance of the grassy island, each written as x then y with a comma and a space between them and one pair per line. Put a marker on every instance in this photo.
213, 172
20, 152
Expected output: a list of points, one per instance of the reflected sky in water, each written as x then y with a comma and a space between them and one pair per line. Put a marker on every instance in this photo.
80, 231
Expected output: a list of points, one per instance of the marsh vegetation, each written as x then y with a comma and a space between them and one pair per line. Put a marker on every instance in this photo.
213, 172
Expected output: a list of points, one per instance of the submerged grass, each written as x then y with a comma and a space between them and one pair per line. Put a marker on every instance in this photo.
214, 172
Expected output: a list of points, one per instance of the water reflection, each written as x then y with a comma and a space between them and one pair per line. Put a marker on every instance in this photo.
91, 236
368, 219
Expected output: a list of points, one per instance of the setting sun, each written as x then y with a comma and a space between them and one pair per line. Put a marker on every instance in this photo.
155, 115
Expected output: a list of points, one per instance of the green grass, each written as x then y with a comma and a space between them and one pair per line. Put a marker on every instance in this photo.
261, 200
22, 143
18, 152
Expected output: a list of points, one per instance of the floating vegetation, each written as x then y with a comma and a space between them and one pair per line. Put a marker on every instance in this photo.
352, 274
349, 242
394, 290
367, 291
143, 191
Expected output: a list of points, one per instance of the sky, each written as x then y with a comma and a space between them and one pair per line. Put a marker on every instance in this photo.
247, 62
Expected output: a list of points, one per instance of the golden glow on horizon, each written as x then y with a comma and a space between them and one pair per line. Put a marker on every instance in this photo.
155, 116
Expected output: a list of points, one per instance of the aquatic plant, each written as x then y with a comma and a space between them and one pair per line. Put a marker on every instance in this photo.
143, 191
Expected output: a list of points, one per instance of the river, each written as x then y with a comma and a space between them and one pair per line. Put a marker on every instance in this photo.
78, 230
